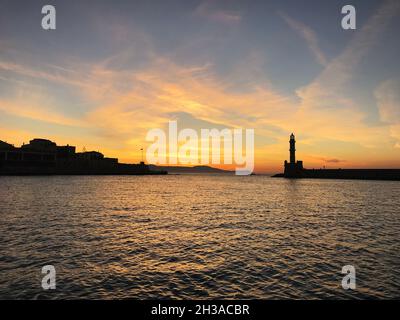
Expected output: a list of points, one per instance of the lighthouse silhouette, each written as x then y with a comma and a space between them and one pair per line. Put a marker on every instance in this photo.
293, 169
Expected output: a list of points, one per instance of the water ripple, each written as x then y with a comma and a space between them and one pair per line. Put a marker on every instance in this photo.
198, 237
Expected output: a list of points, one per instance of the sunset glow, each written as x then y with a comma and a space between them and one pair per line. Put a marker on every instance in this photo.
110, 73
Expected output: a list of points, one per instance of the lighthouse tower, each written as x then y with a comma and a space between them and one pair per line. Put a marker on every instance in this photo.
292, 149
293, 169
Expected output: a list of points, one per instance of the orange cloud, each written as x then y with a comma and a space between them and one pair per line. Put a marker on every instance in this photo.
126, 102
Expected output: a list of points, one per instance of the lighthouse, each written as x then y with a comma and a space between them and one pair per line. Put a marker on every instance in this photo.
292, 143
293, 169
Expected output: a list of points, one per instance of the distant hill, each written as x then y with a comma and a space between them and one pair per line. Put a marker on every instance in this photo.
195, 169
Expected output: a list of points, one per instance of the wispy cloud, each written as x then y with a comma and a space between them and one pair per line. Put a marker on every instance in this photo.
324, 102
29, 106
341, 69
60, 75
308, 35
209, 10
137, 87
333, 160
387, 95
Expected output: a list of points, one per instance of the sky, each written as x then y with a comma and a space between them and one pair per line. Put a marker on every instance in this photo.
113, 70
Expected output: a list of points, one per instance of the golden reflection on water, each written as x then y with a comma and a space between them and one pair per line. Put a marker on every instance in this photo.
198, 236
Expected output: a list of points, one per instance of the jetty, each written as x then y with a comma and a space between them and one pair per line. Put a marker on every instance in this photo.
294, 170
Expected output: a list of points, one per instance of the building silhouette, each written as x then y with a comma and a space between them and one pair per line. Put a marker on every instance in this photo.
293, 169
42, 156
